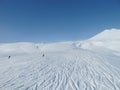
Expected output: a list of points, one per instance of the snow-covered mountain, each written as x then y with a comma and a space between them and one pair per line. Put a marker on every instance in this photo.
91, 64
109, 39
112, 34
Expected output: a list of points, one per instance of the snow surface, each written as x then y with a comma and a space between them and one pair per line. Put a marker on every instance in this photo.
92, 64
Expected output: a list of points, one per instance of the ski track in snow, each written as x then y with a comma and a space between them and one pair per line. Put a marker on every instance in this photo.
70, 70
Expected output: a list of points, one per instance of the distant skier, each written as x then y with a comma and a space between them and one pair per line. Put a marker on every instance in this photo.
43, 55
9, 57
37, 47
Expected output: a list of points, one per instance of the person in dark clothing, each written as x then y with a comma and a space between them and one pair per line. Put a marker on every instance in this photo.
43, 55
9, 57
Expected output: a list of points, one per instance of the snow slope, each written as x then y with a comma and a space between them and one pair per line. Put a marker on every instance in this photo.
109, 34
109, 39
83, 65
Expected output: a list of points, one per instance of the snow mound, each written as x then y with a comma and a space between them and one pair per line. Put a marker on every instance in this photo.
17, 47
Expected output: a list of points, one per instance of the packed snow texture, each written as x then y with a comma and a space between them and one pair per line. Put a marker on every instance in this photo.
91, 64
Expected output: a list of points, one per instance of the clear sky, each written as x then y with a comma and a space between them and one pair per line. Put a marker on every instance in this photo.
56, 20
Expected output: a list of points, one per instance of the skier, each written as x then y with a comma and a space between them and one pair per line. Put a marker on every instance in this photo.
9, 57
43, 55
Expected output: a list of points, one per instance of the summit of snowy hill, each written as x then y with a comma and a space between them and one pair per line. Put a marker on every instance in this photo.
109, 34
109, 39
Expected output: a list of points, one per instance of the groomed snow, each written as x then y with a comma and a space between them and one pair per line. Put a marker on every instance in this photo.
91, 64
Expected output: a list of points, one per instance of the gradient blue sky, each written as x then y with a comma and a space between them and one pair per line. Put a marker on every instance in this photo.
56, 20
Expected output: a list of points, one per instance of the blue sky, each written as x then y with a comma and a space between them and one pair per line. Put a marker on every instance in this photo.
56, 20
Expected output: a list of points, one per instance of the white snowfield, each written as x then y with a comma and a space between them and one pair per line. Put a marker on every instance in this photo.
92, 64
